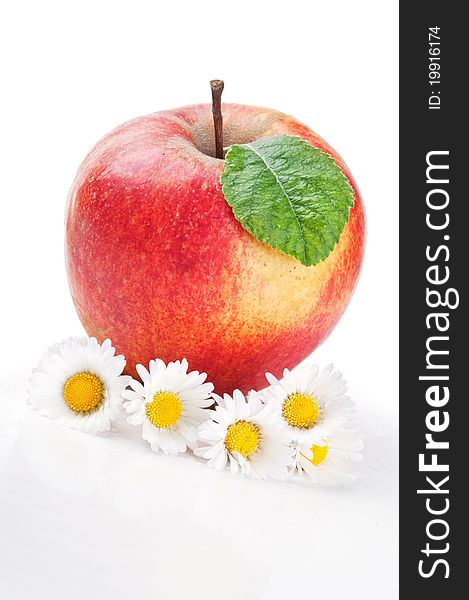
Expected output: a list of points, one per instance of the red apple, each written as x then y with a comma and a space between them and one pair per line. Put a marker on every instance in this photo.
157, 261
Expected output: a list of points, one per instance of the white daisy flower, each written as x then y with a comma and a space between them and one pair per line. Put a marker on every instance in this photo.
330, 462
243, 434
79, 383
171, 404
312, 404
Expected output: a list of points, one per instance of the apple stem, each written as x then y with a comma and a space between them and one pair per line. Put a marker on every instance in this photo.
217, 86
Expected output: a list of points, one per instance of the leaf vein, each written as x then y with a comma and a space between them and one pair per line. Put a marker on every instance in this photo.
300, 227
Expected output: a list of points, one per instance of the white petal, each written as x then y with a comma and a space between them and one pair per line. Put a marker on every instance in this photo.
143, 373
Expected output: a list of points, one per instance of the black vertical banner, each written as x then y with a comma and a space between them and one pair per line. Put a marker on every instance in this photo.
434, 268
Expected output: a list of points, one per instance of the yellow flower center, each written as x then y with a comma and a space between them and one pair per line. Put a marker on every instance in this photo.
164, 410
84, 392
319, 454
242, 437
300, 410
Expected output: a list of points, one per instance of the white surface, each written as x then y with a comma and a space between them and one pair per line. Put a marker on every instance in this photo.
103, 517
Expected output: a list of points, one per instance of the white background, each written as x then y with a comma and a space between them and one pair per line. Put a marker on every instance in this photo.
103, 517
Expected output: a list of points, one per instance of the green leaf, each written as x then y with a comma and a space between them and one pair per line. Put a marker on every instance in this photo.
289, 195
